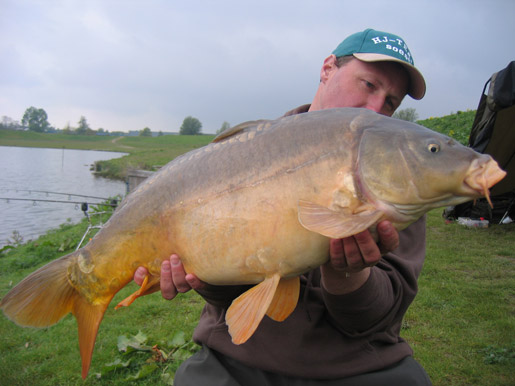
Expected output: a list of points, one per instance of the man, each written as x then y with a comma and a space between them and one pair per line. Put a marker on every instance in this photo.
345, 329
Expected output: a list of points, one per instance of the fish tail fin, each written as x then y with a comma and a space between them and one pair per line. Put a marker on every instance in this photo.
46, 296
43, 297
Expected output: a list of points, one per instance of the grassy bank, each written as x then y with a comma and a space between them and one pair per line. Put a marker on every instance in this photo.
146, 153
150, 153
460, 325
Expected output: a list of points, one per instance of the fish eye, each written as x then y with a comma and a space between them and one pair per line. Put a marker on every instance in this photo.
433, 147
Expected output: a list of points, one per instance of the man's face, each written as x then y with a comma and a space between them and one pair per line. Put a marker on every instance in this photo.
377, 86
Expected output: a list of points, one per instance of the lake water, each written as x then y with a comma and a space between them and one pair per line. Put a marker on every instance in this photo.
24, 170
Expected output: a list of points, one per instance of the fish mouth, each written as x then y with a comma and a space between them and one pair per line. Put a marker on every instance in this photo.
482, 175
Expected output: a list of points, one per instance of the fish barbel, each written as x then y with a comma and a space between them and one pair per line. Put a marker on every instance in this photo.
257, 206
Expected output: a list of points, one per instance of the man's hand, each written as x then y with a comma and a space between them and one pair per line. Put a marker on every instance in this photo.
357, 252
174, 278
351, 258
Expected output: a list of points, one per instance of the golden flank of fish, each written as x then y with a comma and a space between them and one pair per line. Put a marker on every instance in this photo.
257, 206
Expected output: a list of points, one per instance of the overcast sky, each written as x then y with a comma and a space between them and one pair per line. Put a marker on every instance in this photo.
126, 65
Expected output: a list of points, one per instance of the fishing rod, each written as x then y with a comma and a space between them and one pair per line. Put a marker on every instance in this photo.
113, 203
59, 193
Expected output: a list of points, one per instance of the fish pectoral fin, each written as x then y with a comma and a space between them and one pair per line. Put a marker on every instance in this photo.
285, 299
247, 310
335, 224
150, 285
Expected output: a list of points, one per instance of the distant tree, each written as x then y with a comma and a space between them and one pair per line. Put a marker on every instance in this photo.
145, 132
190, 126
160, 134
35, 119
224, 127
8, 123
67, 129
83, 127
409, 114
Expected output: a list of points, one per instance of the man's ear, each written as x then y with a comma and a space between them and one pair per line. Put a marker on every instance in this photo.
328, 68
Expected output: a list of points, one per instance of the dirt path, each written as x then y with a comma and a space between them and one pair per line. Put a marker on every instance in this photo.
115, 140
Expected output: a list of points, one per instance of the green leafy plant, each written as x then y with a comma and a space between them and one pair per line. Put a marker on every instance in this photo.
494, 354
15, 240
139, 359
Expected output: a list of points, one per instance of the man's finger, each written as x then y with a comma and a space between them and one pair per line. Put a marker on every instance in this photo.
139, 275
368, 249
337, 254
194, 282
353, 253
168, 290
179, 274
388, 236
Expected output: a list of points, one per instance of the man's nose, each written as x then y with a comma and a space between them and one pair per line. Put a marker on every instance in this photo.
375, 104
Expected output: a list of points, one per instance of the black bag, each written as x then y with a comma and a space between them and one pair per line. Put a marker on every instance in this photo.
493, 132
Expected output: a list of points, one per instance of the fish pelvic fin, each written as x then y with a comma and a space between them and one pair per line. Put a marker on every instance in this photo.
247, 311
285, 299
335, 224
150, 285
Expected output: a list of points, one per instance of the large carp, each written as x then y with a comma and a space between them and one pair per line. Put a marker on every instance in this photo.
257, 206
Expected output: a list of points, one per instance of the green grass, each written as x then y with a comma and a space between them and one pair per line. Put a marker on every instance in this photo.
456, 126
460, 325
150, 153
84, 142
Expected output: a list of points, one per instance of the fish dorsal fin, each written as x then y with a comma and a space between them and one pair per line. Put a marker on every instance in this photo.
285, 299
237, 129
336, 224
247, 311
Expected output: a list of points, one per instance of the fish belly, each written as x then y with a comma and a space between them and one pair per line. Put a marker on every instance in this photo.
245, 236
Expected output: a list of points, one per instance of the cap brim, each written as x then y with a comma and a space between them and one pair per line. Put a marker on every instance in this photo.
417, 85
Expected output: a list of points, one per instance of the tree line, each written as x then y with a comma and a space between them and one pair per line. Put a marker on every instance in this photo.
36, 119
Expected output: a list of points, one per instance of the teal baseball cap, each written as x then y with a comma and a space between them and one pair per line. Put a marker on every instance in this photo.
377, 46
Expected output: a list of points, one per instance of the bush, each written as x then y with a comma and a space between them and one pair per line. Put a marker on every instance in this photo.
456, 126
